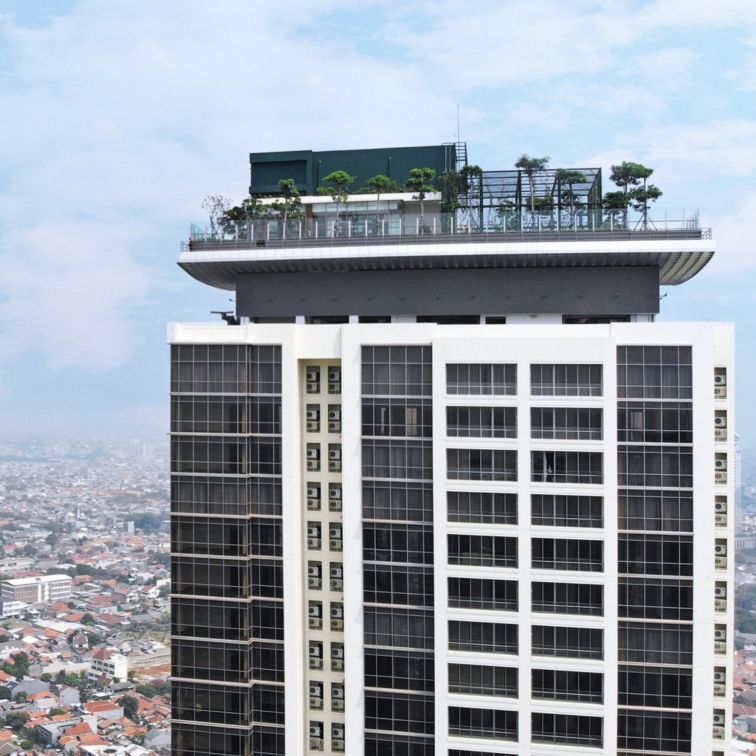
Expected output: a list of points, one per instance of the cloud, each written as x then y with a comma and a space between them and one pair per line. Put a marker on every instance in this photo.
124, 118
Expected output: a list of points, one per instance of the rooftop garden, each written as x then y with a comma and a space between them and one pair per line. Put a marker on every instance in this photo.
530, 197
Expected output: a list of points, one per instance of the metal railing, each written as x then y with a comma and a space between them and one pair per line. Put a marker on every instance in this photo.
440, 227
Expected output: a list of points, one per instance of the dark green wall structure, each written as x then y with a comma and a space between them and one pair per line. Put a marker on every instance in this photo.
308, 168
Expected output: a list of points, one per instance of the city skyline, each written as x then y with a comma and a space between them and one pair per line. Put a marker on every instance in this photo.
114, 144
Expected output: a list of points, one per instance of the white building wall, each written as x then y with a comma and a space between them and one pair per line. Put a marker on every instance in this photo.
522, 344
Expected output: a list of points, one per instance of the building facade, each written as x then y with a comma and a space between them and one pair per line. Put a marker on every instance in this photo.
450, 490
18, 593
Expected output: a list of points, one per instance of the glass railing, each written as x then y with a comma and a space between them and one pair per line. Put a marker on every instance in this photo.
444, 227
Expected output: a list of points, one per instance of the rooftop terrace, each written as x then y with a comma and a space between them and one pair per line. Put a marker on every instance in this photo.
464, 217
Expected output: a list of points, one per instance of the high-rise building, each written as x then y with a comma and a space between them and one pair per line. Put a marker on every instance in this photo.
441, 484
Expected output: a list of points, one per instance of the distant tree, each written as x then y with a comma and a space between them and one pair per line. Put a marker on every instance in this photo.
21, 696
531, 167
336, 185
421, 181
46, 677
5, 692
150, 691
16, 720
87, 619
94, 639
130, 707
56, 711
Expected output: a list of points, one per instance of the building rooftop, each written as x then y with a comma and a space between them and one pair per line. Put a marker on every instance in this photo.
493, 227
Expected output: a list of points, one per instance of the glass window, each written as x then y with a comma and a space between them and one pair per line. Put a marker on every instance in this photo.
481, 422
655, 643
474, 679
578, 423
566, 467
655, 510
565, 380
476, 593
568, 642
558, 510
487, 637
479, 379
568, 685
654, 372
567, 729
568, 598
482, 551
567, 554
482, 506
481, 464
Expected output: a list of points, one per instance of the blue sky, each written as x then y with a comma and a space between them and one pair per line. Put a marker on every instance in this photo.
119, 117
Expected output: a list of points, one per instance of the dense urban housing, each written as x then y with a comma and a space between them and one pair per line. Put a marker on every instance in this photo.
440, 482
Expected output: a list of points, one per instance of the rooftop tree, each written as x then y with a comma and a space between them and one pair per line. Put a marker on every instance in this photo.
291, 203
568, 178
628, 176
531, 167
216, 206
336, 186
420, 181
381, 184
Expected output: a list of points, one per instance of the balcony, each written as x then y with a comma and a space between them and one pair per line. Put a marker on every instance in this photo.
442, 228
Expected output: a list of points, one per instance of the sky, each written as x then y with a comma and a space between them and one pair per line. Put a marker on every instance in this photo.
119, 117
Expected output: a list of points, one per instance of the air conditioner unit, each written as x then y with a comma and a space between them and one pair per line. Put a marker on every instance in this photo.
313, 452
316, 730
337, 692
720, 379
316, 690
337, 652
720, 506
313, 492
334, 453
337, 571
719, 677
720, 520
337, 584
720, 392
334, 492
337, 611
335, 532
313, 571
720, 464
313, 426
718, 719
720, 421
314, 610
313, 414
720, 591
720, 648
720, 549
337, 705
720, 634
334, 415
337, 731
337, 665
316, 651
334, 375
313, 532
